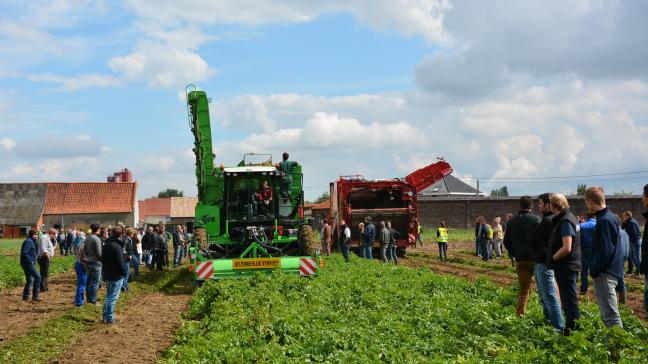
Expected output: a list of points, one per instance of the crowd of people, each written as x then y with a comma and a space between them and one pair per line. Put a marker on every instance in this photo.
557, 247
110, 255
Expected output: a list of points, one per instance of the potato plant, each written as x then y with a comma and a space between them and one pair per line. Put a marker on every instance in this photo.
369, 312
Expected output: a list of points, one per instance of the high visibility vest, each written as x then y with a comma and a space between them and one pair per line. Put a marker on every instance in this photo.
443, 235
418, 229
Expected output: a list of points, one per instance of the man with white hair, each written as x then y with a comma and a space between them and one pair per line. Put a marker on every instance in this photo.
45, 255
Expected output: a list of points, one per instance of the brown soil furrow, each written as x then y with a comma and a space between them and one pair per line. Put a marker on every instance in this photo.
147, 327
17, 316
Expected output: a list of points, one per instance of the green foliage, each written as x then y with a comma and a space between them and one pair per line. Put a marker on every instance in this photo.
454, 235
323, 197
369, 312
580, 190
10, 246
11, 273
502, 191
170, 192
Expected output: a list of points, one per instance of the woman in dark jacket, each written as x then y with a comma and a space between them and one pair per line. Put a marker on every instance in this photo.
563, 256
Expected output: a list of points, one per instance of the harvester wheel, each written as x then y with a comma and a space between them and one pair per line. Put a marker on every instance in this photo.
201, 237
309, 244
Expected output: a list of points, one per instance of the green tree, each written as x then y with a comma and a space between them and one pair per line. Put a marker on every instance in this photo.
580, 190
502, 191
323, 197
170, 192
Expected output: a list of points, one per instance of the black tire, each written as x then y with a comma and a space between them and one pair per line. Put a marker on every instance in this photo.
309, 245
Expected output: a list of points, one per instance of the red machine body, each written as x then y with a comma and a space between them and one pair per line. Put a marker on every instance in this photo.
353, 198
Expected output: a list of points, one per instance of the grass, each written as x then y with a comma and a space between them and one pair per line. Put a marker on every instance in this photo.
370, 312
56, 335
11, 273
10, 246
454, 235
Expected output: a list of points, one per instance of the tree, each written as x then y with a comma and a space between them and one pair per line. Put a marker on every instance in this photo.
502, 191
323, 197
580, 190
170, 192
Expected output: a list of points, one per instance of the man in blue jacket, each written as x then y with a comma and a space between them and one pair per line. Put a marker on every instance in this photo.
28, 264
608, 257
634, 233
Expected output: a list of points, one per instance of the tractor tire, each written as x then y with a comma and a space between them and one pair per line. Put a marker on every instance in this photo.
201, 238
309, 245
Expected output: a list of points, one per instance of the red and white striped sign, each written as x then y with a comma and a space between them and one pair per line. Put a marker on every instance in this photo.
307, 266
205, 270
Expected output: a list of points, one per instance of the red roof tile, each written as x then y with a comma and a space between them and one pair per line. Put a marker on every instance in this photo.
90, 198
154, 207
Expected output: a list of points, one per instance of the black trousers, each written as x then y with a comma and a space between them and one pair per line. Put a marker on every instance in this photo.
159, 259
566, 280
44, 264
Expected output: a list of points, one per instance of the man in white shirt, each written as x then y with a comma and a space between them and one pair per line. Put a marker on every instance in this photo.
45, 254
345, 240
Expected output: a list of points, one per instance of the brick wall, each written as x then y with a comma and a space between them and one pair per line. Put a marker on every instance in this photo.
461, 212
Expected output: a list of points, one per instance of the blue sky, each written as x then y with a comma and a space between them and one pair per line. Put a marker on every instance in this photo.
500, 90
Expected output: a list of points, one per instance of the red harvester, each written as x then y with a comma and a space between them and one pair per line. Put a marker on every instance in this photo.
354, 198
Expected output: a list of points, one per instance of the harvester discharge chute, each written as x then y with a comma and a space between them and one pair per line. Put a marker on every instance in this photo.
249, 217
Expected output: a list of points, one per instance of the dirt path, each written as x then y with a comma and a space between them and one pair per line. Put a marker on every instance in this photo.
147, 327
17, 317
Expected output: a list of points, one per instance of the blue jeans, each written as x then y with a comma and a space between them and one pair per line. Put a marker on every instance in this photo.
605, 289
125, 282
136, 263
443, 251
391, 253
646, 295
586, 261
82, 281
548, 296
92, 285
485, 249
366, 250
344, 248
478, 248
31, 277
112, 294
177, 256
149, 259
635, 254
566, 280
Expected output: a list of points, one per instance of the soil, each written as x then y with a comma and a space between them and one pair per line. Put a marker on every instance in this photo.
17, 316
140, 336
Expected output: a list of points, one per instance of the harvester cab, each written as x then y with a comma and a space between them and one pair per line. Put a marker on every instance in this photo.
249, 217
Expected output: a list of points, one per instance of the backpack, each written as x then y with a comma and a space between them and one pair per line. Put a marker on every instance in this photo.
489, 232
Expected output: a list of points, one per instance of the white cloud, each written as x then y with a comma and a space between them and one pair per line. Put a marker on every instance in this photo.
409, 17
7, 143
53, 169
82, 137
77, 82
161, 65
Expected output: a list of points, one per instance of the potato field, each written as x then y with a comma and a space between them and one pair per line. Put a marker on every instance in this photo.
368, 312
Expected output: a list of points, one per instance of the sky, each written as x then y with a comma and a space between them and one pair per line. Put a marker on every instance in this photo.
509, 93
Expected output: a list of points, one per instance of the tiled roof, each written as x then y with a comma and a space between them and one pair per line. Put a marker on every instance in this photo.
448, 186
320, 206
90, 198
21, 203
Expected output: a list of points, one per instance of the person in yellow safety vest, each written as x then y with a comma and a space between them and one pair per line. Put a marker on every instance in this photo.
442, 240
419, 229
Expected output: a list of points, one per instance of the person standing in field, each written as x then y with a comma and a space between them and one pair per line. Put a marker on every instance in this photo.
114, 271
92, 249
160, 246
45, 254
148, 244
540, 239
516, 242
643, 269
383, 238
419, 230
631, 226
498, 237
128, 250
586, 239
81, 269
177, 246
442, 241
28, 265
327, 238
478, 250
369, 238
563, 256
345, 242
485, 239
393, 238
61, 238
608, 256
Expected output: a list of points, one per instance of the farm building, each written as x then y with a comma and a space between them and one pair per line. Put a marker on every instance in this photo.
24, 205
172, 210
451, 186
318, 210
